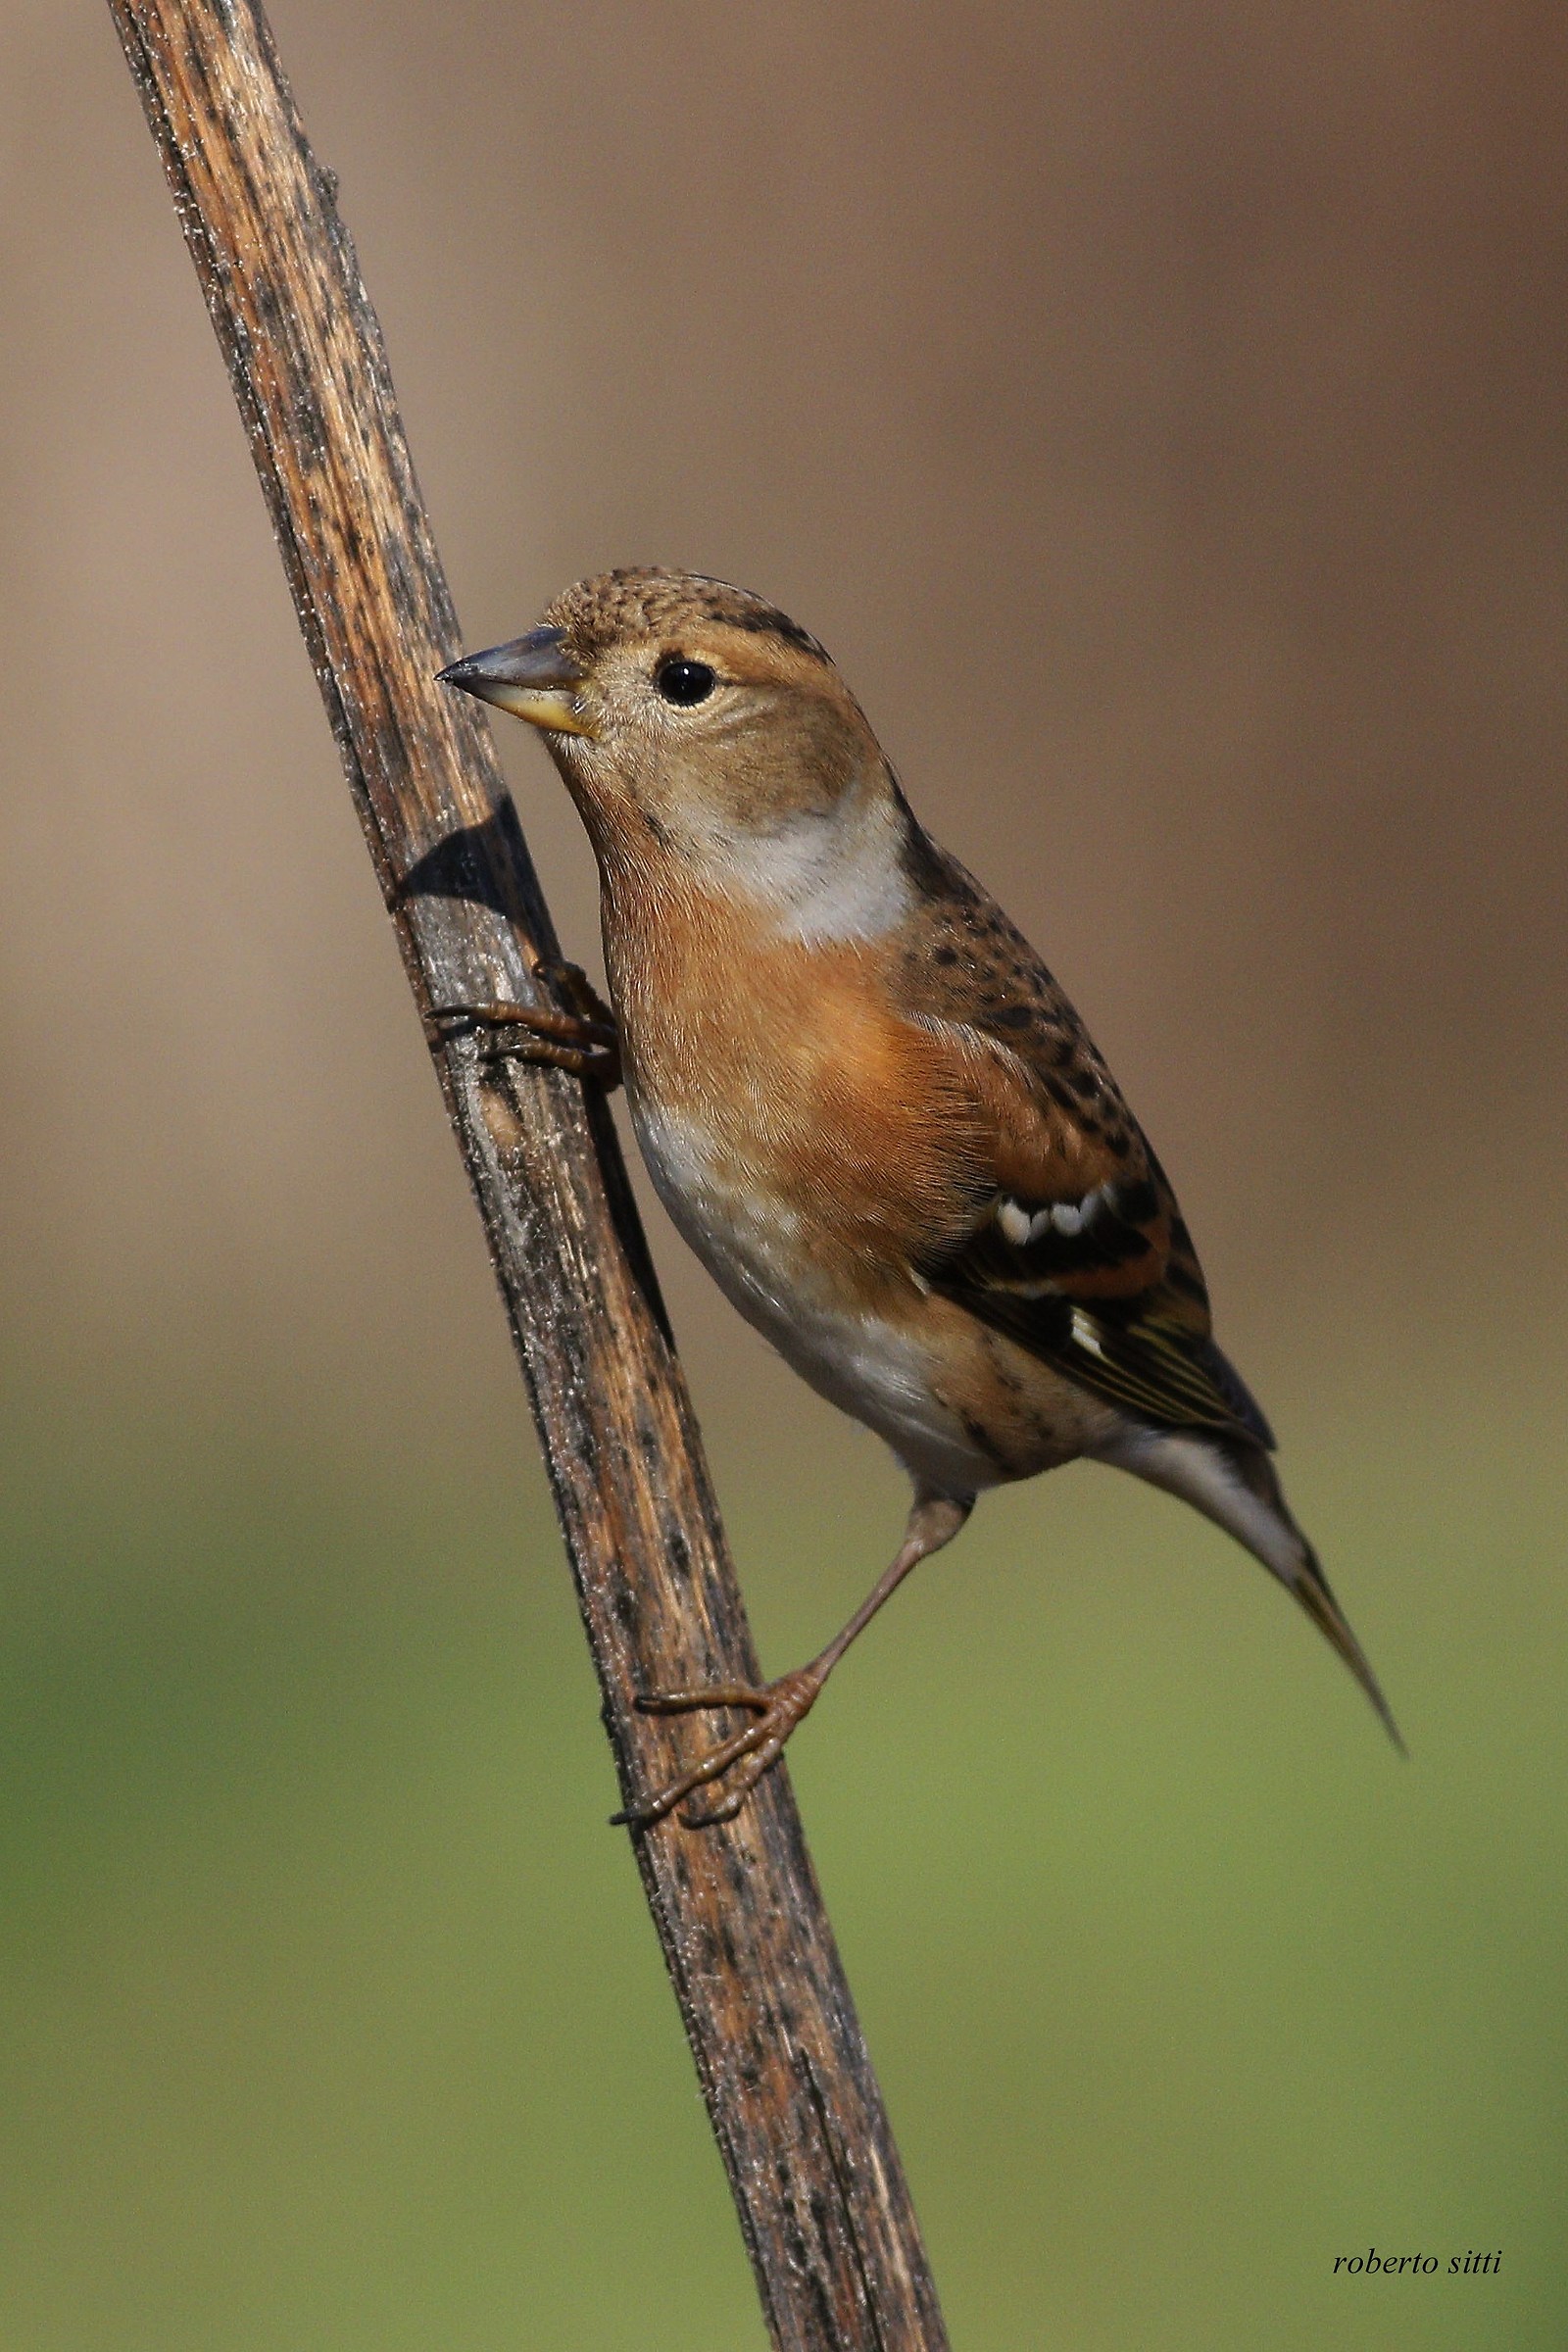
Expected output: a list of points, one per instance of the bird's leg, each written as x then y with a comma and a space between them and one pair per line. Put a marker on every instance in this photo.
584, 1040
742, 1761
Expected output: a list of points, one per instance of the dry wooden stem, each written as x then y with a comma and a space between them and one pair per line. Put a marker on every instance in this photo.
794, 2103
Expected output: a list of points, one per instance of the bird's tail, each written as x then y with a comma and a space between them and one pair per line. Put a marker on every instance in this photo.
1236, 1485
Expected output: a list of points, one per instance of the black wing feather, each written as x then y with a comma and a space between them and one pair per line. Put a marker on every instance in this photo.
1140, 1353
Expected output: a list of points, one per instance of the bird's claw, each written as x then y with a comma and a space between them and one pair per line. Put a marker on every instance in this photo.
742, 1760
584, 1041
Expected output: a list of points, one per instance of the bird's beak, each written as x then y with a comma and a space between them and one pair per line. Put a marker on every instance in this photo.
534, 677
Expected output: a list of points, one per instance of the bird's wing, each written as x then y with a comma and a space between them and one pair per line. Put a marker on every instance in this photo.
1077, 1250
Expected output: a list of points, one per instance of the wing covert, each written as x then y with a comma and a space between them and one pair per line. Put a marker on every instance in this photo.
1079, 1254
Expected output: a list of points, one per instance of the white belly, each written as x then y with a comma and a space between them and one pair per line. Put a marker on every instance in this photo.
877, 1371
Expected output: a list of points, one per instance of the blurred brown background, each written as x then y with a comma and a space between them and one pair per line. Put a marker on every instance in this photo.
1158, 413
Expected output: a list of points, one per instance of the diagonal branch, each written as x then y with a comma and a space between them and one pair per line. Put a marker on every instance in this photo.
789, 2087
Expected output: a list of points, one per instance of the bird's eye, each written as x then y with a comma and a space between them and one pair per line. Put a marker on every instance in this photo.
684, 682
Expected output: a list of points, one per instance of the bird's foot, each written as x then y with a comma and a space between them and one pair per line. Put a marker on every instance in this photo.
740, 1761
584, 1041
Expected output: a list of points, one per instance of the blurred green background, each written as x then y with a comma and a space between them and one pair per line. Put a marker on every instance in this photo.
1159, 412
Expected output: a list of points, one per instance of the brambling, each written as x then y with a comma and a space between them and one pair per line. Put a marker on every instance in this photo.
867, 1104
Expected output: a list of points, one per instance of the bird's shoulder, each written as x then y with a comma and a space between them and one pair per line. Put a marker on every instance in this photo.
1058, 1126
1076, 1248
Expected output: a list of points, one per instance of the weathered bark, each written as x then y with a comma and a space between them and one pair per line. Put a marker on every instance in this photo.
783, 2066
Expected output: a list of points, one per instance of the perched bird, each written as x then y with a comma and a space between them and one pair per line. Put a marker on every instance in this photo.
866, 1102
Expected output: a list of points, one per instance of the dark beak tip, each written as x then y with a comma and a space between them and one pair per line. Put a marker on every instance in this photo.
538, 662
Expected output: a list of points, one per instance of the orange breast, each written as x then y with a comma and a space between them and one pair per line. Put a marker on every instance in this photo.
793, 1063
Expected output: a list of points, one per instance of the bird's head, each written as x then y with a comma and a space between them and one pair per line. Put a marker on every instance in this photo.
697, 725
